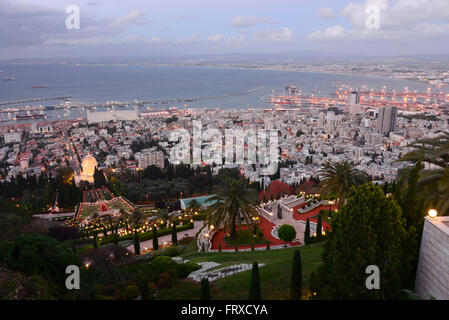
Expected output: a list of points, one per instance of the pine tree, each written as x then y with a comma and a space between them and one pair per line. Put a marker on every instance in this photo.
307, 232
296, 281
174, 235
136, 244
254, 288
155, 239
205, 289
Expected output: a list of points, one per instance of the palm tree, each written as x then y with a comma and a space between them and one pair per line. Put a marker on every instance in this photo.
338, 177
434, 180
233, 204
137, 218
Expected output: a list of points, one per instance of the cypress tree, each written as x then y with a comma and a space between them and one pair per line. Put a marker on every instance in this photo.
296, 282
95, 240
219, 247
254, 288
116, 239
74, 246
203, 248
318, 227
155, 239
143, 288
268, 245
252, 247
236, 248
136, 244
174, 235
205, 289
307, 232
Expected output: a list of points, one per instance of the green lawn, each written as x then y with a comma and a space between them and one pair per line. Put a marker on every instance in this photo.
275, 275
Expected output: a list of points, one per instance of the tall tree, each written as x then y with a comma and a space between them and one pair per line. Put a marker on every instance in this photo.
233, 204
254, 288
155, 239
338, 178
174, 234
296, 279
307, 232
205, 289
368, 230
434, 180
136, 244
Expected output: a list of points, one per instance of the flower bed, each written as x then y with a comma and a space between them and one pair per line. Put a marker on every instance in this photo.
216, 274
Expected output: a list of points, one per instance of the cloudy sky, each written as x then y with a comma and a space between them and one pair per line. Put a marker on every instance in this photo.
37, 29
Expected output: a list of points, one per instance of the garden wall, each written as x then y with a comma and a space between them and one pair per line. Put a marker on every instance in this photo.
432, 277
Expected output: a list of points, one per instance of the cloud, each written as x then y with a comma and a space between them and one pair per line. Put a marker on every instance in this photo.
215, 37
400, 20
400, 13
191, 39
186, 18
273, 34
242, 22
331, 33
128, 19
326, 13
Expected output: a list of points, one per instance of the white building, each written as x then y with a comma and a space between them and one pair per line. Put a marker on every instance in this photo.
113, 115
12, 137
148, 157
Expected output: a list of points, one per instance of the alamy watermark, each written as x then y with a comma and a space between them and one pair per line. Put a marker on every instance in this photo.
373, 280
372, 21
236, 146
73, 20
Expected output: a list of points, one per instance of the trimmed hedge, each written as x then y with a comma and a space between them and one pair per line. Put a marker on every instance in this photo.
149, 234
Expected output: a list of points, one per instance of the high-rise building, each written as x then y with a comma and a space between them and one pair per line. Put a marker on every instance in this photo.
386, 121
354, 103
354, 98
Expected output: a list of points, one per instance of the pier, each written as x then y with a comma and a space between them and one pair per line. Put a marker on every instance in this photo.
5, 103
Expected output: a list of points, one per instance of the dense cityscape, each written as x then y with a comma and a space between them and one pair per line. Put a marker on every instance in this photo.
245, 178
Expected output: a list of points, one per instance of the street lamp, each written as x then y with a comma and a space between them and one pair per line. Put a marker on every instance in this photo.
432, 213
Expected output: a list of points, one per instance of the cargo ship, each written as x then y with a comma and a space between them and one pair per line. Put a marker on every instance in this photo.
43, 86
28, 116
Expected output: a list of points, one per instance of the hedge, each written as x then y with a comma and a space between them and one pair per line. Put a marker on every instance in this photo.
148, 235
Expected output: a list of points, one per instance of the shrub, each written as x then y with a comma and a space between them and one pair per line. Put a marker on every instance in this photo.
287, 233
167, 279
131, 292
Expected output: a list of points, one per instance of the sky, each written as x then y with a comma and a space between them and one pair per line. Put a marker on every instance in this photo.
116, 28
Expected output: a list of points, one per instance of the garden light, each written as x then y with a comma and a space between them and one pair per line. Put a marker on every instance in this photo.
432, 213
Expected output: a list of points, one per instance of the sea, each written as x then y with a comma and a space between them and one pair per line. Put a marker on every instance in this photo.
227, 86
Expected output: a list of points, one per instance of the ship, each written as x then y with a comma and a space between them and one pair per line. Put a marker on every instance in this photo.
9, 79
43, 86
27, 116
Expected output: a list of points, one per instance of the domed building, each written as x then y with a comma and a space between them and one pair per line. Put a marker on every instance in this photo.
88, 164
